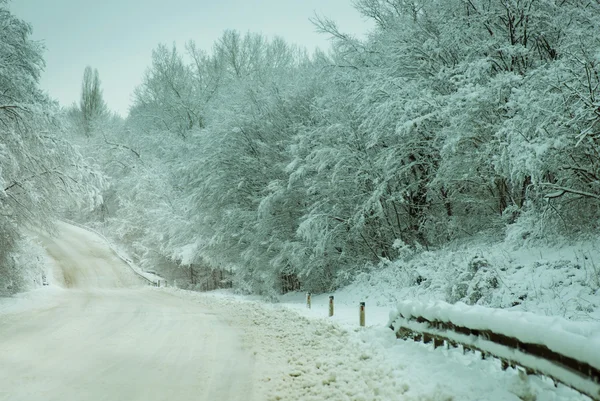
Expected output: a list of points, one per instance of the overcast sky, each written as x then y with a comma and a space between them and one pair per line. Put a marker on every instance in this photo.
117, 36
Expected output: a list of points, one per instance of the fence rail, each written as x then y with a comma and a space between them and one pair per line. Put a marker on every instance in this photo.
557, 353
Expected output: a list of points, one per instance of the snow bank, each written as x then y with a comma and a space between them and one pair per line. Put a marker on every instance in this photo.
302, 354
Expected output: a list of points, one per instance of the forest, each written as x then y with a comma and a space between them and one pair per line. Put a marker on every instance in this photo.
259, 166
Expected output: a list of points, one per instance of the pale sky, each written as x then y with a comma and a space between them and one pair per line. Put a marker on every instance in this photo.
117, 36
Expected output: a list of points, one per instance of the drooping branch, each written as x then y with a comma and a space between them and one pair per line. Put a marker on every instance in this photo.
118, 145
560, 191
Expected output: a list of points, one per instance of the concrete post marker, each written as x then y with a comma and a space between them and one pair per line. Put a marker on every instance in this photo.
362, 314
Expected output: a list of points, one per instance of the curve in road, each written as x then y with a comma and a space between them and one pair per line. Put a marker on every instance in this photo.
107, 337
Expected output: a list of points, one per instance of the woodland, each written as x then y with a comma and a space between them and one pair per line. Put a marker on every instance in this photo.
259, 166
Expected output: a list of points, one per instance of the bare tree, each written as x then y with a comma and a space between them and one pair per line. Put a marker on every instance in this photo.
92, 105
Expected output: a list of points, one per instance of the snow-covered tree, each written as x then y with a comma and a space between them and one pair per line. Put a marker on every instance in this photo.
454, 117
167, 99
40, 172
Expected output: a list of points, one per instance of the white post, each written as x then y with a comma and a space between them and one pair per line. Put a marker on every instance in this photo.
362, 314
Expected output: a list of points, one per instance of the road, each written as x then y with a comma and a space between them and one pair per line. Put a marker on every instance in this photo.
101, 334
107, 336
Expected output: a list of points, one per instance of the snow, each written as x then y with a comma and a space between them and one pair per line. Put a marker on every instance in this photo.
305, 355
186, 254
99, 333
543, 288
292, 355
124, 344
26, 301
578, 340
565, 375
140, 342
555, 279
120, 253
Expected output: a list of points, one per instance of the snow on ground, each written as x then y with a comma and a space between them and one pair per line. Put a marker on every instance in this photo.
545, 280
134, 344
151, 277
304, 355
100, 333
295, 353
553, 281
28, 300
301, 354
548, 280
561, 280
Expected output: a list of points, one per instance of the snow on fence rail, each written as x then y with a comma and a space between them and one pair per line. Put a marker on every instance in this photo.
568, 352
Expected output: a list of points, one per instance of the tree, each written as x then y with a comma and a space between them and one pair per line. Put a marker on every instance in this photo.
91, 105
168, 99
454, 117
40, 172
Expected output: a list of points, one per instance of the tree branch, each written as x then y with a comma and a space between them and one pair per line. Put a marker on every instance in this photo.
560, 191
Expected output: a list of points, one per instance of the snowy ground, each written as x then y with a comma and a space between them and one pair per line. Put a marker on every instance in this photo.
152, 278
554, 280
98, 334
313, 357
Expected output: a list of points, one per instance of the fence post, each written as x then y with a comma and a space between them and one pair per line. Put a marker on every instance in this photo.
330, 305
362, 314
308, 301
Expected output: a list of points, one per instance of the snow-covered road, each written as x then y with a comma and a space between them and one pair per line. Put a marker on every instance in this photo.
107, 337
101, 334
